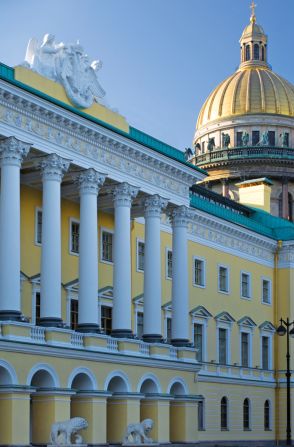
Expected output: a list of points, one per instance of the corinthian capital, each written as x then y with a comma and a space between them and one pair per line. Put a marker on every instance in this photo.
123, 194
13, 151
154, 205
54, 167
90, 181
181, 216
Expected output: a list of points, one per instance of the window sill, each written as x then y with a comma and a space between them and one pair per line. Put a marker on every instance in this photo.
203, 286
73, 253
224, 292
103, 261
225, 429
247, 429
248, 298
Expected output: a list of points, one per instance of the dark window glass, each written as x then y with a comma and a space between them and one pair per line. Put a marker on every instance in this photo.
74, 311
223, 279
256, 52
198, 341
203, 147
38, 308
272, 137
266, 291
75, 237
262, 53
169, 263
141, 255
140, 317
239, 139
224, 413
201, 415
245, 285
222, 348
247, 53
265, 353
244, 349
199, 272
267, 415
246, 415
39, 227
168, 329
106, 319
107, 246
255, 137
285, 140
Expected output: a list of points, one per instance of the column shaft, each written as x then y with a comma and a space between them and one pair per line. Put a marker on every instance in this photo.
53, 168
152, 269
88, 319
12, 152
180, 292
121, 322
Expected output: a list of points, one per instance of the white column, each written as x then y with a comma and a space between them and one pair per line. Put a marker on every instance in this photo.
12, 152
121, 314
89, 184
180, 290
152, 269
53, 167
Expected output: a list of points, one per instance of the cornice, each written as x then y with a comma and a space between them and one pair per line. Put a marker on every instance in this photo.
36, 116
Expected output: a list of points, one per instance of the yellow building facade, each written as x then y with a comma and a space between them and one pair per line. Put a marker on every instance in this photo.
127, 291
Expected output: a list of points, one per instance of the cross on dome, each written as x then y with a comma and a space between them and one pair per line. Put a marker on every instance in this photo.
252, 7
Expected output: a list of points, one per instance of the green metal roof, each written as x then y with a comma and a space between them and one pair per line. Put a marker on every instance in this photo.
258, 220
7, 74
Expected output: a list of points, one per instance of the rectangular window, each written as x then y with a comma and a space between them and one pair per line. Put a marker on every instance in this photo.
107, 241
265, 352
203, 147
198, 341
140, 256
266, 291
74, 311
106, 319
272, 138
38, 224
244, 349
201, 416
169, 263
239, 139
222, 346
140, 317
38, 308
223, 279
245, 285
255, 137
199, 272
168, 329
75, 237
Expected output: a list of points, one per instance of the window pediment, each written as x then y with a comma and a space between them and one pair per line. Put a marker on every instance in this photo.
246, 322
267, 326
224, 317
200, 312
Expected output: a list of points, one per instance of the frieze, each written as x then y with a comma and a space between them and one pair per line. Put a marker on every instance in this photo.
99, 148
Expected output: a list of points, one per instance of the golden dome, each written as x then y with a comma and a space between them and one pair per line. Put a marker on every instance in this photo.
249, 91
254, 88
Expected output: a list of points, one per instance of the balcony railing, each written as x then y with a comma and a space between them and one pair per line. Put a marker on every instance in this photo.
219, 155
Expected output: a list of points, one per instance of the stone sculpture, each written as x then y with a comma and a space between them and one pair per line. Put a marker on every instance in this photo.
188, 153
139, 433
68, 65
285, 139
264, 139
226, 139
245, 139
211, 144
65, 432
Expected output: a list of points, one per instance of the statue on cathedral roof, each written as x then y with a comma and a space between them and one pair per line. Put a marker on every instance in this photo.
69, 65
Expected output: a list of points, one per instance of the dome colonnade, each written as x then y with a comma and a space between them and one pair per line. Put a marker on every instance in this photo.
245, 129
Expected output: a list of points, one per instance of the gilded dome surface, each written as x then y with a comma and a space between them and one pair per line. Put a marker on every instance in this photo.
249, 90
254, 88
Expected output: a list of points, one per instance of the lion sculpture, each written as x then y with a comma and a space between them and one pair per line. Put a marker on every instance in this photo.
139, 432
62, 433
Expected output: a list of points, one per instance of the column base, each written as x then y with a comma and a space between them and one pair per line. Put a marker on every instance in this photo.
51, 322
152, 338
89, 328
122, 333
12, 315
181, 342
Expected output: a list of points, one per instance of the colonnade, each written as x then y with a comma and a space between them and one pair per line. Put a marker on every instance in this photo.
53, 167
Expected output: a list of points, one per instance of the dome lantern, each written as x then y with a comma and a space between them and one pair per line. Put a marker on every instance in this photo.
253, 43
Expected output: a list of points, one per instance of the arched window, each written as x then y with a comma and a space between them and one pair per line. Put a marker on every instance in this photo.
224, 413
262, 53
247, 57
246, 414
267, 408
256, 52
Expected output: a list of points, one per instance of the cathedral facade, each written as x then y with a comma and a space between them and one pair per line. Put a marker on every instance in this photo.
127, 290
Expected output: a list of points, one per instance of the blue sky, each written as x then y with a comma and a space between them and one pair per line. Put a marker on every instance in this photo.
161, 58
